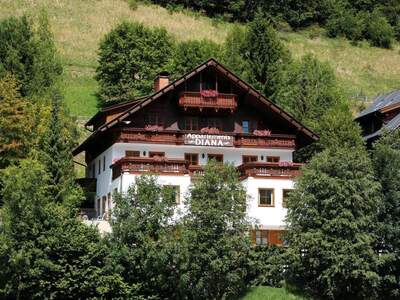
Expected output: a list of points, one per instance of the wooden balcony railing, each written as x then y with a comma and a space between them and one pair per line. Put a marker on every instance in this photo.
196, 170
270, 170
151, 165
219, 101
177, 137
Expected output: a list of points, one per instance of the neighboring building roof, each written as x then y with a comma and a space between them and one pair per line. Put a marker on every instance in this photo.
380, 102
393, 124
219, 67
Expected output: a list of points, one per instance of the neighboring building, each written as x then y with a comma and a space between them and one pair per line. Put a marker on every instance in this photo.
209, 113
382, 114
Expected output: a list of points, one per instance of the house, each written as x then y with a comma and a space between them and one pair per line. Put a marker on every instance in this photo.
383, 114
209, 113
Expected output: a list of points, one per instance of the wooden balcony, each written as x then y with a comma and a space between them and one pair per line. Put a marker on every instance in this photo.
150, 165
196, 170
282, 170
216, 101
272, 141
281, 141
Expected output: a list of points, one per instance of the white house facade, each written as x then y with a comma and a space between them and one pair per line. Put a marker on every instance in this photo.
209, 113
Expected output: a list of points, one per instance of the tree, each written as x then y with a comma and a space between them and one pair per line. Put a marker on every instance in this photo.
130, 57
15, 123
233, 49
55, 150
265, 55
49, 254
189, 54
309, 90
29, 54
386, 159
214, 235
331, 226
143, 239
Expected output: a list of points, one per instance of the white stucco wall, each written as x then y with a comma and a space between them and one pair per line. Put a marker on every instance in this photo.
267, 217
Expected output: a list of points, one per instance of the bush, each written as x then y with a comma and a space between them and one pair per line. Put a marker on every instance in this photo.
266, 266
346, 23
378, 30
133, 4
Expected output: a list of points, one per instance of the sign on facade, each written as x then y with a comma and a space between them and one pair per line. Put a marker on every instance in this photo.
208, 140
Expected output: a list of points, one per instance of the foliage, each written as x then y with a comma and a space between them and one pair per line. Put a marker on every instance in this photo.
308, 90
214, 235
49, 253
346, 23
331, 226
266, 266
55, 150
15, 123
270, 293
379, 31
265, 56
190, 54
130, 57
29, 54
143, 239
386, 159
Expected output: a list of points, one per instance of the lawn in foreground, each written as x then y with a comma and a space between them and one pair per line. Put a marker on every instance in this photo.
270, 293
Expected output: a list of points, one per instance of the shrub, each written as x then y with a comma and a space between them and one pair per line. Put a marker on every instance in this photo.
378, 30
346, 23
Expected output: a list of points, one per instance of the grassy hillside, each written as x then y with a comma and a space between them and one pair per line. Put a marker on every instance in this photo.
79, 25
269, 293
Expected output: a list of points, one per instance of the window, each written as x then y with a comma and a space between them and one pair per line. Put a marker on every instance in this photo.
214, 123
261, 237
249, 126
245, 126
176, 190
154, 118
160, 154
216, 157
94, 170
273, 159
249, 158
104, 163
285, 195
192, 158
99, 166
191, 123
129, 153
265, 197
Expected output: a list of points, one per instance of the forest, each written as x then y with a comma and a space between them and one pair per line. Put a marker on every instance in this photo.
342, 239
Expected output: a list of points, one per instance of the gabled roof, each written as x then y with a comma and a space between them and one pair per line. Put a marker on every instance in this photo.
393, 124
220, 68
381, 102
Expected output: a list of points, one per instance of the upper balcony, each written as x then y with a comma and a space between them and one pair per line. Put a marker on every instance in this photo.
210, 99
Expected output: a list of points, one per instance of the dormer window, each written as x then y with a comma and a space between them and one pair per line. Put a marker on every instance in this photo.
249, 126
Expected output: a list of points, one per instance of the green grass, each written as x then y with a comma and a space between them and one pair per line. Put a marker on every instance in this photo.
270, 293
78, 27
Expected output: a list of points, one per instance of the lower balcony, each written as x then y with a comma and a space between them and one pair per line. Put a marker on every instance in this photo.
150, 165
270, 170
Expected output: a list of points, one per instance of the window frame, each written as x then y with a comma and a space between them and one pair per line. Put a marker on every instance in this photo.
275, 159
156, 153
104, 163
272, 197
99, 170
220, 157
244, 157
191, 123
190, 160
135, 153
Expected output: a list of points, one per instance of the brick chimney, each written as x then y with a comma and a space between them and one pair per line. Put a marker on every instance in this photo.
161, 81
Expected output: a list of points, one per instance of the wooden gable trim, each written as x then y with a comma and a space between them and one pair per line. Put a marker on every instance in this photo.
211, 62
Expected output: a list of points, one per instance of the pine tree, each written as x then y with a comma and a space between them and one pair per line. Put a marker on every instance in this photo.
46, 253
55, 150
15, 127
214, 235
265, 55
309, 90
331, 220
386, 159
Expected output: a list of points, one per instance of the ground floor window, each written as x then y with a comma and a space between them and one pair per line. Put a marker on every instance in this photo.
216, 157
273, 159
249, 158
192, 158
265, 197
267, 237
